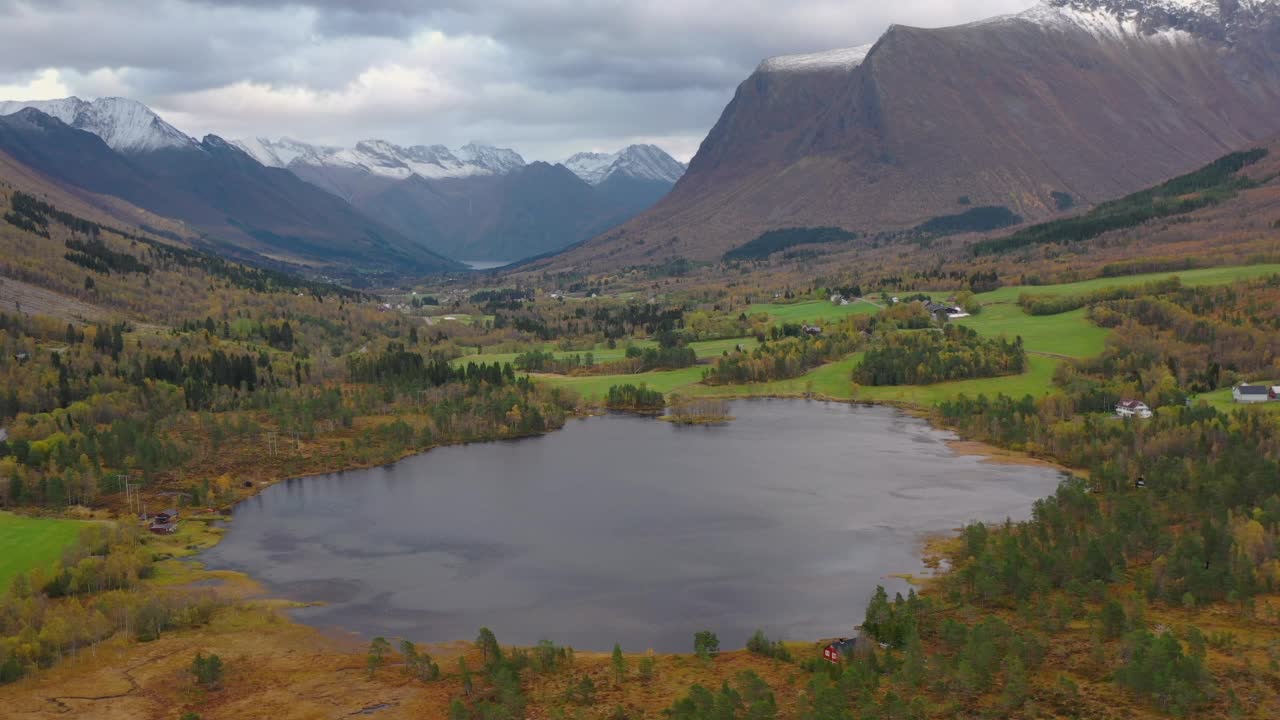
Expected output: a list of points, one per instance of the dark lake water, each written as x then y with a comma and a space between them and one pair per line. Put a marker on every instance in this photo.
625, 529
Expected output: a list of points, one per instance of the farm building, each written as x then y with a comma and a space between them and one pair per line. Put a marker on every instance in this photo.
945, 311
1133, 408
1248, 394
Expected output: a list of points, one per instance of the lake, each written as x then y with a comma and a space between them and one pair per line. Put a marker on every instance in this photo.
627, 529
485, 264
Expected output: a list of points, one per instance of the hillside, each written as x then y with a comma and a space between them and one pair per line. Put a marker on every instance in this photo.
221, 193
1065, 104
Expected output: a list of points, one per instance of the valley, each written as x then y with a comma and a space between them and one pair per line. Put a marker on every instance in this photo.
942, 382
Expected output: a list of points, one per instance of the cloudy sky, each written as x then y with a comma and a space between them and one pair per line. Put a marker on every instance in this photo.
546, 77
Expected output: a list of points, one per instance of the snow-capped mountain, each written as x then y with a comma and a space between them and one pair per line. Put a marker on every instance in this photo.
842, 59
642, 162
1218, 19
385, 159
1087, 98
125, 125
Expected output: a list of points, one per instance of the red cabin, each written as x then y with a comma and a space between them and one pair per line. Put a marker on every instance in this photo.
837, 651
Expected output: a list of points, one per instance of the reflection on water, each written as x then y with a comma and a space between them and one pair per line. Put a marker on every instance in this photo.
627, 529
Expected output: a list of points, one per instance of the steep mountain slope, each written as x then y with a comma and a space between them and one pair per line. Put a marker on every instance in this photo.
217, 190
1083, 98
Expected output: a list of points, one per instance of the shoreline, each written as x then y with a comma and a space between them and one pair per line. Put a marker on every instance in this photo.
931, 547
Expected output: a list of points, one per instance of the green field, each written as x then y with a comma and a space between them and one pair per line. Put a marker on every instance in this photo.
603, 353
1067, 335
834, 381
813, 310
594, 387
1206, 276
27, 543
1037, 381
1070, 334
1221, 399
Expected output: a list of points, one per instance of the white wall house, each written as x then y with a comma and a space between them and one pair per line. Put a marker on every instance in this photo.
1248, 394
1133, 408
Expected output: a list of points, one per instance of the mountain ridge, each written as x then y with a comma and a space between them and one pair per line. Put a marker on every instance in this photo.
1014, 111
125, 125
221, 193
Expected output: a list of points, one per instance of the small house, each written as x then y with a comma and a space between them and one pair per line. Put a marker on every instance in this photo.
1133, 408
838, 650
1249, 394
812, 330
163, 528
166, 516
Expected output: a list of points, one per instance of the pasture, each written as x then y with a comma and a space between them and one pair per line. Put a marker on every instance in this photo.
603, 353
27, 543
814, 311
1068, 334
1222, 401
1190, 278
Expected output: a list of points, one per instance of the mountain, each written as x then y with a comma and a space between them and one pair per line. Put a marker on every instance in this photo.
480, 202
125, 125
642, 162
1069, 103
244, 208
382, 159
536, 209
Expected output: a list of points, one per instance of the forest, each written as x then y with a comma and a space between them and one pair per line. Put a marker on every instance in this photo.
774, 241
1210, 185
915, 357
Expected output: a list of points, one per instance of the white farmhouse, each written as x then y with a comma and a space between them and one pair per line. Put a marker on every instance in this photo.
1133, 408
1249, 394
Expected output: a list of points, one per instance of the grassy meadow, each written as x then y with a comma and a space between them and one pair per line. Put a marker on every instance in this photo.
1069, 334
27, 543
1050, 339
1204, 276
1222, 400
812, 310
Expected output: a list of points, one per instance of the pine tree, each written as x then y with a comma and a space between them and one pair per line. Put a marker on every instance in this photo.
619, 663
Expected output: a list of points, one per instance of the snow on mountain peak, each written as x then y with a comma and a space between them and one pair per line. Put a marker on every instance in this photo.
386, 159
644, 162
496, 160
841, 59
125, 125
1210, 18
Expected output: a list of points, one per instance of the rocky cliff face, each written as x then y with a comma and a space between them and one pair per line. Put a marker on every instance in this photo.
1087, 98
